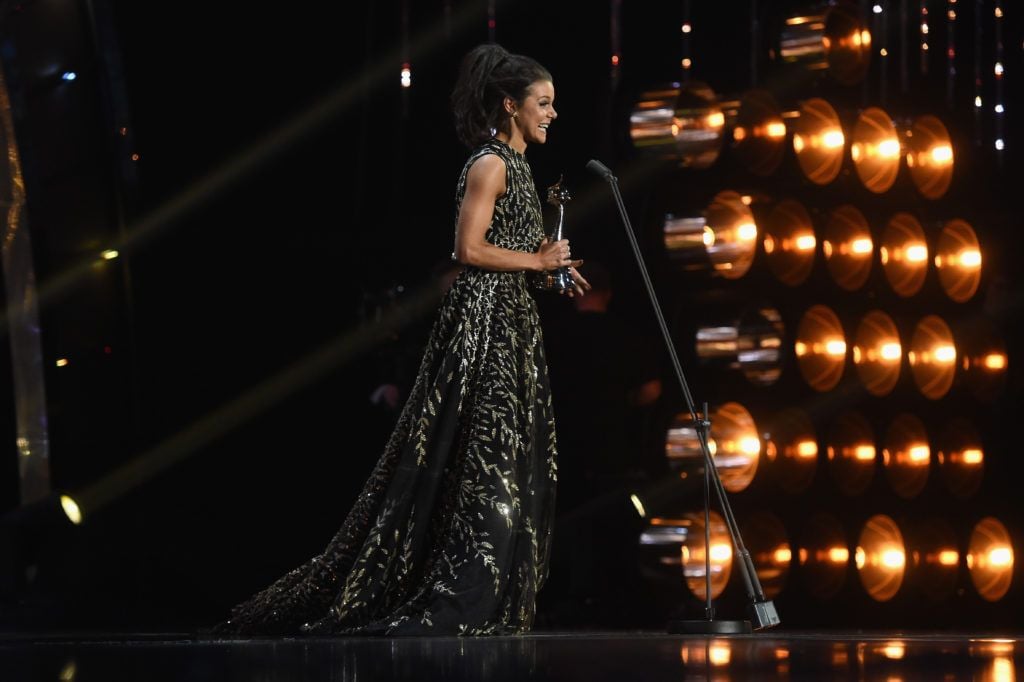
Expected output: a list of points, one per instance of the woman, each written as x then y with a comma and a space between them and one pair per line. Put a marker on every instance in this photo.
451, 532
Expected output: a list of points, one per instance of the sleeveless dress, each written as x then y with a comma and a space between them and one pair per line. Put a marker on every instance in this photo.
451, 533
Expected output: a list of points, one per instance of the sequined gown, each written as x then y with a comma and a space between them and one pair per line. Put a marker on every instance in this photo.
451, 532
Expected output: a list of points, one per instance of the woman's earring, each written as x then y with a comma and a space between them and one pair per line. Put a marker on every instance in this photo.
515, 114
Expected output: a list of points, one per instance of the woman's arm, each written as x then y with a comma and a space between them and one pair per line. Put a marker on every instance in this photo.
485, 182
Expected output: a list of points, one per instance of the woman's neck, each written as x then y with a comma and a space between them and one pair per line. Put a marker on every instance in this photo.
515, 140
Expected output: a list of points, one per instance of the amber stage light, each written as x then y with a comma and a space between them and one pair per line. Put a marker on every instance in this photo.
832, 37
904, 254
881, 558
906, 455
770, 549
934, 558
733, 441
751, 344
930, 156
848, 247
818, 141
875, 150
759, 134
990, 559
682, 123
962, 458
723, 239
932, 357
877, 353
983, 359
692, 552
792, 448
958, 260
789, 242
851, 453
824, 555
820, 348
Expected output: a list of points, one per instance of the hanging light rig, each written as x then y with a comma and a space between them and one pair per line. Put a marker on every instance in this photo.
924, 37
687, 31
1000, 142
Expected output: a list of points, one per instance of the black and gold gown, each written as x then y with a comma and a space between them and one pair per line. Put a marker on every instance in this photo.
451, 533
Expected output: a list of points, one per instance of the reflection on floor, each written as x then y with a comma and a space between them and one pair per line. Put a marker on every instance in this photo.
562, 656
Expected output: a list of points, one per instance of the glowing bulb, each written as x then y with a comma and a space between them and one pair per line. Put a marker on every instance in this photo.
877, 9
864, 452
894, 651
739, 133
807, 449
709, 236
949, 557
890, 351
1000, 145
783, 555
972, 456
109, 254
769, 244
999, 69
942, 153
893, 558
1000, 557
62, 362
798, 143
71, 509
995, 361
805, 242
969, 258
918, 253
865, 37
835, 347
889, 149
747, 232
861, 246
638, 505
838, 555
406, 77
719, 654
750, 446
687, 63
944, 354
721, 552
776, 130
716, 119
919, 453
800, 348
687, 27
977, 101
833, 139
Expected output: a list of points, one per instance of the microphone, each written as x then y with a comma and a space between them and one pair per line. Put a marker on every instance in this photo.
598, 168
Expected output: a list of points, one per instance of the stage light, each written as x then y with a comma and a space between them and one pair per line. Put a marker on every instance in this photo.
792, 449
848, 247
714, 653
881, 558
983, 359
875, 150
71, 509
824, 557
961, 456
789, 242
851, 453
683, 123
770, 549
820, 348
935, 559
68, 76
638, 505
723, 239
930, 156
990, 559
733, 441
904, 254
932, 357
818, 141
751, 344
110, 254
906, 456
832, 37
958, 260
759, 134
877, 353
692, 555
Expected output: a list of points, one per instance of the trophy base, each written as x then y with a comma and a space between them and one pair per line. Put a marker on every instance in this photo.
553, 280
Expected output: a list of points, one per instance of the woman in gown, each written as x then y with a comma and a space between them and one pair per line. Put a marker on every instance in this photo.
451, 533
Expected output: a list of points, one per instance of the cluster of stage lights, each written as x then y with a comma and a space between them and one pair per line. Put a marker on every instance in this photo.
884, 555
689, 124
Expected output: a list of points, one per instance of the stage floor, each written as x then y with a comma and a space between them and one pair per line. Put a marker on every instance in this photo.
589, 657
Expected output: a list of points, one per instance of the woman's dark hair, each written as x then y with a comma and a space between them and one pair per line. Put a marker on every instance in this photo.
488, 75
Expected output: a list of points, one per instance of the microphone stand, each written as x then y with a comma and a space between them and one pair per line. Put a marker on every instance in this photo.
761, 610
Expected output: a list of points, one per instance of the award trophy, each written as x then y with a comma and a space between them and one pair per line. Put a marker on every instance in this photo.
556, 280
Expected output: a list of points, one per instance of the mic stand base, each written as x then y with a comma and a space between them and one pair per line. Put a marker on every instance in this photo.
709, 627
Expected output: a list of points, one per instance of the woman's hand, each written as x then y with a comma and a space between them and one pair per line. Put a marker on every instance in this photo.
579, 283
554, 255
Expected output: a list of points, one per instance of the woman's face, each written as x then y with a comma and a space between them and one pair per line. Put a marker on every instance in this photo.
536, 112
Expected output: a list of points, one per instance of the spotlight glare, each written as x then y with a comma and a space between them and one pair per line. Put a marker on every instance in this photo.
999, 557
864, 452
890, 351
838, 555
995, 361
919, 453
776, 130
861, 246
833, 139
949, 557
71, 509
835, 347
942, 153
807, 449
972, 456
944, 354
110, 254
639, 505
918, 253
893, 558
721, 552
747, 232
970, 258
783, 555
806, 242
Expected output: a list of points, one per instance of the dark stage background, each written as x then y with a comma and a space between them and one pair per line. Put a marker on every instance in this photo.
288, 192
